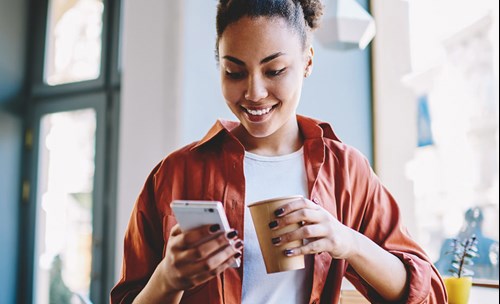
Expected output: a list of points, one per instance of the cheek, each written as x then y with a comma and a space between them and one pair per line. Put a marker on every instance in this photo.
231, 92
288, 89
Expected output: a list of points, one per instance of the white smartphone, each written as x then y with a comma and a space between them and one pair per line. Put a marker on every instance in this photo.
192, 214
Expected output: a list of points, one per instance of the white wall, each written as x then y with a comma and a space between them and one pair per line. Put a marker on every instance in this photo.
202, 100
149, 111
394, 104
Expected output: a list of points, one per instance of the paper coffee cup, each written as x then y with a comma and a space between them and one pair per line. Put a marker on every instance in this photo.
274, 257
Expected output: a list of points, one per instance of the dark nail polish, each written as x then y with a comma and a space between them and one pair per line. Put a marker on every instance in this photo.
239, 244
279, 211
214, 228
276, 240
237, 255
232, 234
273, 224
288, 252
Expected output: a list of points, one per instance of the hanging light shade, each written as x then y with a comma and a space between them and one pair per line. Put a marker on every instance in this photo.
345, 25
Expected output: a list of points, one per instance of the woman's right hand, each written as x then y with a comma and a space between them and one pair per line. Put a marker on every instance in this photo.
196, 256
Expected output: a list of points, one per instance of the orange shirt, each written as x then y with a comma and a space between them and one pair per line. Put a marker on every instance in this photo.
339, 178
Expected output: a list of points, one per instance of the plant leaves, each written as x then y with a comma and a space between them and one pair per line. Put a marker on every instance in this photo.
471, 254
473, 248
453, 272
464, 252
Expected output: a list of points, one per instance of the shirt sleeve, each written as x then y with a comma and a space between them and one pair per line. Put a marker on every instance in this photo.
143, 246
381, 222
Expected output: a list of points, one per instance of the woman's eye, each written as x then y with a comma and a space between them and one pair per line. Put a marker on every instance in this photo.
235, 75
276, 72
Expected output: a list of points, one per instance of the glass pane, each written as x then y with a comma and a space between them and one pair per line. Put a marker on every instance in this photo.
456, 175
63, 253
74, 39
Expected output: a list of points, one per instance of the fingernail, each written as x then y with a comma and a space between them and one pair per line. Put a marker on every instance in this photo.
214, 228
239, 244
232, 234
288, 252
276, 240
279, 211
273, 224
237, 255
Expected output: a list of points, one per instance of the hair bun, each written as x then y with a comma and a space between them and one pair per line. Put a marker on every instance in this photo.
313, 10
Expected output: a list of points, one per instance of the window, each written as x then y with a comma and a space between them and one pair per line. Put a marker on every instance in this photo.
64, 226
74, 41
455, 171
69, 174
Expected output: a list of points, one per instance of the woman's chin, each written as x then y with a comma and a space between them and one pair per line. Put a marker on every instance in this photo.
258, 132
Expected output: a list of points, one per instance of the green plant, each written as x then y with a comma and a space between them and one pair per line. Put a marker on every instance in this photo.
464, 251
59, 292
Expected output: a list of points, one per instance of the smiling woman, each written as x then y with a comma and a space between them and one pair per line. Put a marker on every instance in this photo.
261, 80
351, 223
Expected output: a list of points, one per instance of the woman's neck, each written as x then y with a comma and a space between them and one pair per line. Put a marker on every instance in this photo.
286, 140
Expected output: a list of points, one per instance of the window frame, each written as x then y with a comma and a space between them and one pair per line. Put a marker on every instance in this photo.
102, 94
63, 104
38, 85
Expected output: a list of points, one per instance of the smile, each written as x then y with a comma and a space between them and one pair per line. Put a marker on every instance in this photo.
258, 112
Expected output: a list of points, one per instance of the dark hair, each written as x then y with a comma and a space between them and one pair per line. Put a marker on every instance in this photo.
302, 15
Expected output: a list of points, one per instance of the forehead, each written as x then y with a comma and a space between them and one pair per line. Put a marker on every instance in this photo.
258, 37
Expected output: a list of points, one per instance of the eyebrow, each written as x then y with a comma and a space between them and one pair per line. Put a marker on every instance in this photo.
265, 60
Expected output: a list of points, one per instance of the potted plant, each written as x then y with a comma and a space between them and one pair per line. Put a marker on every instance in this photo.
458, 287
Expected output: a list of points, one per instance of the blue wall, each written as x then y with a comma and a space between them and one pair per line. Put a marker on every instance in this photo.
339, 92
10, 152
13, 22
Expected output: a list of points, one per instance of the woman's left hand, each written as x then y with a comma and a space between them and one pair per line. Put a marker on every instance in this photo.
323, 232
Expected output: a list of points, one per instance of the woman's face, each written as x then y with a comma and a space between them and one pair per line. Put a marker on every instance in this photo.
262, 64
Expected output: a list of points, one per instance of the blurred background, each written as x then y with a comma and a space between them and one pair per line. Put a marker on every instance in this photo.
94, 93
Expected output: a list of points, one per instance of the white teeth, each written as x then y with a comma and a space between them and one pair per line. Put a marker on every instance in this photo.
258, 112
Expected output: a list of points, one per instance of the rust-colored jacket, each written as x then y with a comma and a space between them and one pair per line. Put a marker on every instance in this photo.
339, 179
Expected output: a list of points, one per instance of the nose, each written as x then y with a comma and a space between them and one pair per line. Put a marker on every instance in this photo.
256, 89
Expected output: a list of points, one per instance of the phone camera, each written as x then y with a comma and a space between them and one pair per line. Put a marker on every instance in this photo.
211, 210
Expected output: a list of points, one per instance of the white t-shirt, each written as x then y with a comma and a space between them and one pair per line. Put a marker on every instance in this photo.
268, 177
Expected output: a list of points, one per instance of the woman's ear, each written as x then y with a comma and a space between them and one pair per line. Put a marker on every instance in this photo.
309, 61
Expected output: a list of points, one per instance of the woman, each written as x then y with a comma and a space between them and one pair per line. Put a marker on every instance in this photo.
351, 225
